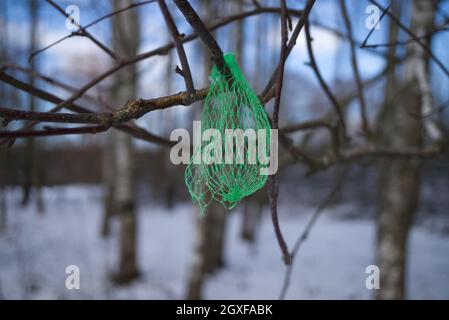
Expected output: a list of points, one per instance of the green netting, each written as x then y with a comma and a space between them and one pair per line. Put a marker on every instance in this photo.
229, 105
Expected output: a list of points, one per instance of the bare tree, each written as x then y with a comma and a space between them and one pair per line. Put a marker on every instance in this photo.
168, 118
32, 173
108, 173
126, 37
210, 235
400, 145
399, 179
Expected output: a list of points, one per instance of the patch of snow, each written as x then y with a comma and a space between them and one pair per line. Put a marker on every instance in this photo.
35, 250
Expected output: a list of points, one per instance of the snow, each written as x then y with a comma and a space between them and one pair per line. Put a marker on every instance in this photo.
36, 249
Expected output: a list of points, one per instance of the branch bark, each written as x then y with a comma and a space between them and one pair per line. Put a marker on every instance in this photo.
177, 37
273, 189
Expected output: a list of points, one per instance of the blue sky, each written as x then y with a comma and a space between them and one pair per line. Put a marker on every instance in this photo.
77, 60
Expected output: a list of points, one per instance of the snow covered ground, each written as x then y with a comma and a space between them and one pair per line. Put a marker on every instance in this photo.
35, 251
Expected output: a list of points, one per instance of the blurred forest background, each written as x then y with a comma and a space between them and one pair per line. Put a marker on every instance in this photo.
113, 204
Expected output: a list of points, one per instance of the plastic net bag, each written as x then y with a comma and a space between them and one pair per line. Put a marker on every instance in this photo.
234, 146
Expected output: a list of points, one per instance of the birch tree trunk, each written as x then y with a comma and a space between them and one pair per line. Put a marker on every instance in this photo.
253, 205
125, 44
252, 215
209, 244
108, 173
400, 179
32, 172
168, 118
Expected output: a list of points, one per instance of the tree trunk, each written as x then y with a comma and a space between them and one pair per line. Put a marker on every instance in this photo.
252, 212
3, 97
125, 44
399, 179
253, 205
125, 191
32, 176
108, 168
168, 117
209, 247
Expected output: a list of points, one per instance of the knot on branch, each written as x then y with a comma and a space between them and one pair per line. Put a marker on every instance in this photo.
188, 99
131, 110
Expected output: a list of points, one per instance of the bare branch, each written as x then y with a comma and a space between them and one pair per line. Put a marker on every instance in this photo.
194, 20
268, 91
113, 13
160, 51
384, 12
14, 114
323, 84
177, 37
52, 131
59, 84
307, 125
135, 131
131, 6
355, 68
305, 233
415, 38
273, 189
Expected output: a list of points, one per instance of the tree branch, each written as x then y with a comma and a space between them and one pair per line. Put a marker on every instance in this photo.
273, 189
355, 68
159, 51
131, 6
186, 74
197, 24
415, 38
135, 131
268, 91
305, 233
83, 32
323, 84
52, 131
384, 12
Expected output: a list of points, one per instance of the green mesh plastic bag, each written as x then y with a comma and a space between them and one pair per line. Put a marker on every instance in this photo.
229, 105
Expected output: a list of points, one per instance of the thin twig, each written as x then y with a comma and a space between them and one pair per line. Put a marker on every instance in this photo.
136, 132
384, 12
59, 84
52, 131
405, 42
159, 51
414, 37
35, 53
177, 37
273, 189
320, 78
355, 68
91, 118
268, 91
305, 233
131, 6
162, 102
306, 125
197, 24
82, 31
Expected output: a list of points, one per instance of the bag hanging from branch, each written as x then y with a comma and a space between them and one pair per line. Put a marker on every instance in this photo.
227, 165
